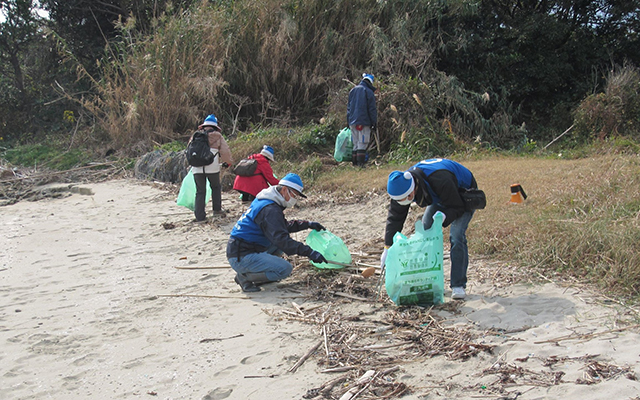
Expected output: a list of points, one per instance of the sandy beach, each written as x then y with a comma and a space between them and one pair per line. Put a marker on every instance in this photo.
96, 302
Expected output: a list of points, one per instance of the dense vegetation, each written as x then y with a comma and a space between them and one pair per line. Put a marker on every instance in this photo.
133, 74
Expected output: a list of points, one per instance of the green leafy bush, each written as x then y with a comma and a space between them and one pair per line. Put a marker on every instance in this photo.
39, 155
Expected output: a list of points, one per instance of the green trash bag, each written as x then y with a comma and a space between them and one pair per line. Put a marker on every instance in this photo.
413, 272
344, 146
187, 194
330, 246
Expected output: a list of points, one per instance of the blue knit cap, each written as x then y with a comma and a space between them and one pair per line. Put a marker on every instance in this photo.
400, 184
267, 151
368, 77
294, 182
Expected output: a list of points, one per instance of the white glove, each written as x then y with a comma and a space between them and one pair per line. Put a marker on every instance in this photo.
383, 257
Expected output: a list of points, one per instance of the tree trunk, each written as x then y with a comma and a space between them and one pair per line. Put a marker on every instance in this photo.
18, 78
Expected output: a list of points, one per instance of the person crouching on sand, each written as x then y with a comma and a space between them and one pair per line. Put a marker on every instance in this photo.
261, 235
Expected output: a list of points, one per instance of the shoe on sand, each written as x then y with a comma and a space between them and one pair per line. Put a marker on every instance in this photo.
245, 284
458, 293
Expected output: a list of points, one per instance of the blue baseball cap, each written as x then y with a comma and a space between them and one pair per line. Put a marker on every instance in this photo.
293, 181
400, 184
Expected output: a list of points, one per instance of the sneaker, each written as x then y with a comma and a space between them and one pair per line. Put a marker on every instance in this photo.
199, 222
220, 213
458, 293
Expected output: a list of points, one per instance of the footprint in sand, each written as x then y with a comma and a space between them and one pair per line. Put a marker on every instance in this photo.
254, 358
219, 393
225, 371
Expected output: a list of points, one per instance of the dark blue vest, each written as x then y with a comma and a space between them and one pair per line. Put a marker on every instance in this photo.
464, 176
246, 228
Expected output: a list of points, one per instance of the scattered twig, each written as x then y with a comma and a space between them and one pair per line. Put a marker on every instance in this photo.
326, 342
349, 296
216, 339
305, 357
380, 346
297, 307
558, 137
574, 336
207, 296
355, 389
213, 267
50, 173
337, 369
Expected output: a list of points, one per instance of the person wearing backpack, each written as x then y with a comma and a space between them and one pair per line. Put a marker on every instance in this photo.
262, 178
211, 172
362, 117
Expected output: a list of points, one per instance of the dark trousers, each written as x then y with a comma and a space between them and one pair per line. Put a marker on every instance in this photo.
201, 193
247, 197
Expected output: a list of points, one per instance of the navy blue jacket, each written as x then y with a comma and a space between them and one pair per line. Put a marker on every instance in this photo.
438, 181
361, 108
263, 225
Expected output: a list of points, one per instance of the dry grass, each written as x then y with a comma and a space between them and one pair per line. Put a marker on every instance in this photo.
581, 218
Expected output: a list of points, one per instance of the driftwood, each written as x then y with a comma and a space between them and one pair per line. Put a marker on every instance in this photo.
304, 358
216, 339
206, 296
213, 267
575, 336
47, 174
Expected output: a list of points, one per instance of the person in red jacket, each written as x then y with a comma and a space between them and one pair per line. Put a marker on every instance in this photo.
250, 186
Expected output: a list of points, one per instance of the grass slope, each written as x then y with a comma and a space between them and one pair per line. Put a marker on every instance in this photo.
581, 218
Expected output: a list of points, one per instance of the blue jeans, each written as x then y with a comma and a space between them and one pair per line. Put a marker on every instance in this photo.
275, 267
458, 238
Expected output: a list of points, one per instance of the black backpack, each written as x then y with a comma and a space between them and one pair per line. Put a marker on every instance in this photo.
198, 152
246, 167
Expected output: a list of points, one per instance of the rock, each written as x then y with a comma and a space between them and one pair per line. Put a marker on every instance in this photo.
172, 167
162, 166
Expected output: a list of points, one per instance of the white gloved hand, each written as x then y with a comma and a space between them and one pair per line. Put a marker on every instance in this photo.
383, 257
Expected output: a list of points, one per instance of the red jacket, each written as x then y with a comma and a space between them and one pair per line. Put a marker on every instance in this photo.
261, 180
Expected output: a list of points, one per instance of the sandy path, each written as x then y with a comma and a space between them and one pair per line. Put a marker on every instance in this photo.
83, 315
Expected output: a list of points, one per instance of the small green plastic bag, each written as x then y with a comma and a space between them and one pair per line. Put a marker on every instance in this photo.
187, 194
331, 247
413, 272
344, 146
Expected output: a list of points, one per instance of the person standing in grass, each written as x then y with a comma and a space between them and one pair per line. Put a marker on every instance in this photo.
261, 235
211, 172
434, 184
362, 117
250, 186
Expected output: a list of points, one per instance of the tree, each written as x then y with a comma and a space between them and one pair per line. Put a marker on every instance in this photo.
546, 55
17, 31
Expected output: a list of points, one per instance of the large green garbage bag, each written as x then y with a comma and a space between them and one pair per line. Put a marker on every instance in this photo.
331, 247
413, 272
187, 194
344, 146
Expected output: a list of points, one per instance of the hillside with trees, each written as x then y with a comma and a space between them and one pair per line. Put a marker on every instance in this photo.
135, 74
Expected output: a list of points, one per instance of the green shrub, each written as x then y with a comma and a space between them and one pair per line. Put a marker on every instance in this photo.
614, 112
172, 146
39, 155
316, 138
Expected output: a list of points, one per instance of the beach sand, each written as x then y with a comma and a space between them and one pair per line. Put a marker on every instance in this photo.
94, 306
